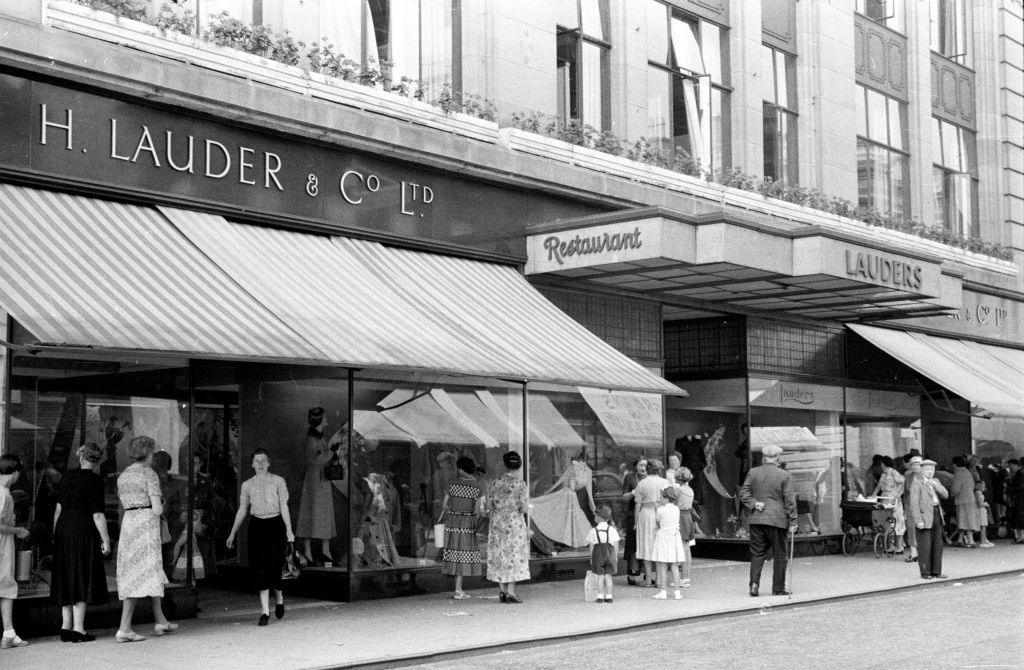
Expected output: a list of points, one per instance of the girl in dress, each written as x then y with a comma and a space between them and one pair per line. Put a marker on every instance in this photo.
647, 495
668, 550
461, 555
10, 471
687, 529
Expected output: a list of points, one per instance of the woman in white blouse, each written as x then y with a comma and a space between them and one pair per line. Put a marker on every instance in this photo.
265, 497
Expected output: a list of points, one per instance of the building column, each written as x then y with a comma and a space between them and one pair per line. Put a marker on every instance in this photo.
5, 392
826, 86
747, 81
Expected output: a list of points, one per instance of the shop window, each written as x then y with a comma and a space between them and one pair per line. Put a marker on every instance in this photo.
710, 432
883, 170
878, 423
954, 177
805, 420
583, 50
59, 402
688, 103
583, 442
951, 29
781, 160
890, 13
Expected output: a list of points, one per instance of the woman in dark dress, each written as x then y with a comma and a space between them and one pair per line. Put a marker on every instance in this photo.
80, 542
461, 555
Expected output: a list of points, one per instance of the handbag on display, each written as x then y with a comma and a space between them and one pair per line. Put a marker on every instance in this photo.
333, 469
291, 569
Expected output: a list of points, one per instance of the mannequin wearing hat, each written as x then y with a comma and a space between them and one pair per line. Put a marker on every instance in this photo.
316, 508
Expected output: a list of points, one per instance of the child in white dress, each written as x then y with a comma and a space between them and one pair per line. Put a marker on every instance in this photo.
668, 550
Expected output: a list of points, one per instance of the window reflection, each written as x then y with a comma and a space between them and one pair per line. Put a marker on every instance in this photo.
883, 173
582, 63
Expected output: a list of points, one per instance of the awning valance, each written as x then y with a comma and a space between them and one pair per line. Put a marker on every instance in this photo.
990, 377
79, 271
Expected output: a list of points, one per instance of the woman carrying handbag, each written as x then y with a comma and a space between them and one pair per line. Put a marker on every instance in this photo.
265, 498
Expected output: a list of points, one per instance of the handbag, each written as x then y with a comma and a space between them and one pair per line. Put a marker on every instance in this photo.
590, 587
439, 535
291, 569
333, 469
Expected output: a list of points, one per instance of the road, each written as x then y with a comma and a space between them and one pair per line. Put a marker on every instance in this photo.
976, 624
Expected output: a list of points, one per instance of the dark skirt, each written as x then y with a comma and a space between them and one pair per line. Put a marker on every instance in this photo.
267, 541
78, 573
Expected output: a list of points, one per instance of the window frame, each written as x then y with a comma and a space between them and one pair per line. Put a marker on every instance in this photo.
944, 172
700, 81
961, 43
785, 150
575, 90
891, 150
896, 13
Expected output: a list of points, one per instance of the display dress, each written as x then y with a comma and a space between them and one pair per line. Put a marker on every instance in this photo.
78, 573
668, 545
508, 547
564, 513
316, 507
461, 555
8, 585
375, 530
647, 495
140, 571
890, 494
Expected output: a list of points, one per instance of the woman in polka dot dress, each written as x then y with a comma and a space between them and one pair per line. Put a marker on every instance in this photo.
461, 555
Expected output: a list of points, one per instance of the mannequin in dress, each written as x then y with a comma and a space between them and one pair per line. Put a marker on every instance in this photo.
316, 508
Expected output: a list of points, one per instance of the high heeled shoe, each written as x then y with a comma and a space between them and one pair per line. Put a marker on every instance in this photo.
66, 635
512, 600
77, 637
164, 628
8, 642
502, 596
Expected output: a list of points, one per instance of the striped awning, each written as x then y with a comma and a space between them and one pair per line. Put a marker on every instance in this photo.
78, 271
85, 272
368, 305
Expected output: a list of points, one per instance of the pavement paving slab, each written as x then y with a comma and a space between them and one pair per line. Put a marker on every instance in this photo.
399, 631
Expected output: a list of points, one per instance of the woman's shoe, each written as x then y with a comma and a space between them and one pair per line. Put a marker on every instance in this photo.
66, 635
279, 610
679, 596
164, 628
512, 600
502, 596
82, 637
264, 620
130, 636
8, 642
661, 595
461, 595
686, 583
631, 580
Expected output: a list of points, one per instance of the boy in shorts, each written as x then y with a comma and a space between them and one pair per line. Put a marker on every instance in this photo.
604, 553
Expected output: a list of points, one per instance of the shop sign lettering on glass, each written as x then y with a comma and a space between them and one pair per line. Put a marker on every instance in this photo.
207, 158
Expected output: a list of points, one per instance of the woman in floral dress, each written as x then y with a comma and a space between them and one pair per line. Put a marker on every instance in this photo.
890, 492
461, 555
508, 549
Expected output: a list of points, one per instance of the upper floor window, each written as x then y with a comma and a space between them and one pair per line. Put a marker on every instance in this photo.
951, 29
582, 58
883, 171
780, 118
890, 13
688, 103
954, 177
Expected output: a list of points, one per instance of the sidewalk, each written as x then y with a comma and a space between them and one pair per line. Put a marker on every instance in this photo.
315, 634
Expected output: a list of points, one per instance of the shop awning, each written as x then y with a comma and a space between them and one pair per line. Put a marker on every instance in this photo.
990, 377
632, 419
84, 272
368, 305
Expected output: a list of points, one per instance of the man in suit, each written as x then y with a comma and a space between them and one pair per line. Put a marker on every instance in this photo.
925, 514
768, 495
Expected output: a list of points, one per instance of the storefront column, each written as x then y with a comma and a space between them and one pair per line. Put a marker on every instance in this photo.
5, 381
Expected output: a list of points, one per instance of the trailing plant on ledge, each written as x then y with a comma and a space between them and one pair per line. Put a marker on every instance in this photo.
451, 101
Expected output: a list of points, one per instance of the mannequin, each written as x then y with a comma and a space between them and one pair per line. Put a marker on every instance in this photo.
691, 447
376, 530
316, 509
565, 513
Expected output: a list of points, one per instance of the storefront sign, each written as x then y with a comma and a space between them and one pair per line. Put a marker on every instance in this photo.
77, 137
767, 393
633, 419
874, 403
979, 316
609, 244
884, 270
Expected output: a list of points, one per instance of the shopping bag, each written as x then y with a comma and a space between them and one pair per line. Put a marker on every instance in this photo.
291, 569
439, 535
590, 587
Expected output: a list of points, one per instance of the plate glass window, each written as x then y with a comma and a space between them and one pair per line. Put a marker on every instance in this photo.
582, 63
890, 13
954, 177
883, 173
780, 118
951, 29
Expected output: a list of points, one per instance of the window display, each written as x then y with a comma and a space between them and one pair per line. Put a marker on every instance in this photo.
803, 419
878, 423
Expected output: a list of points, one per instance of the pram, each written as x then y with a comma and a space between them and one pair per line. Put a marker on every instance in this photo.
868, 521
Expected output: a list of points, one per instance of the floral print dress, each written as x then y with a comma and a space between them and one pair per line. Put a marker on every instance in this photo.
508, 547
